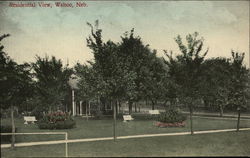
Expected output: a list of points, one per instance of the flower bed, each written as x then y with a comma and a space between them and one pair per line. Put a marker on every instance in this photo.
171, 118
56, 120
177, 124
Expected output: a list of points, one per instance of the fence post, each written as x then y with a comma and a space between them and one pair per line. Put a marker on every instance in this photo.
238, 121
66, 144
13, 128
114, 119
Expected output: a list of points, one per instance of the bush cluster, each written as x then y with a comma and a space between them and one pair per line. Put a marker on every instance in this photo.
138, 116
37, 112
171, 116
144, 116
56, 120
6, 129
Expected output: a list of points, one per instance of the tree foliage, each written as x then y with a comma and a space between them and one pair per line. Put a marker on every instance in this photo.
51, 81
129, 69
239, 81
15, 82
216, 83
186, 69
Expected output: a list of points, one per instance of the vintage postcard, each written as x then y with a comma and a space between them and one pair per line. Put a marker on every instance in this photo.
117, 78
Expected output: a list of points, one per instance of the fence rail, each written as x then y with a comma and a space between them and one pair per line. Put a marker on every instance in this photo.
44, 133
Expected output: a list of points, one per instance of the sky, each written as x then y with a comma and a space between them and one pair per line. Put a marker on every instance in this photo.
62, 32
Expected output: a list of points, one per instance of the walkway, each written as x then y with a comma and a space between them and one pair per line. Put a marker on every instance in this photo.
120, 137
243, 116
222, 118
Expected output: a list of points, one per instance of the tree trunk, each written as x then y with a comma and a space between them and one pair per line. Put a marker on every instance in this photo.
17, 113
238, 122
119, 103
221, 111
13, 127
66, 108
111, 105
87, 110
114, 121
104, 106
116, 106
191, 119
153, 105
98, 104
165, 103
135, 107
206, 104
130, 105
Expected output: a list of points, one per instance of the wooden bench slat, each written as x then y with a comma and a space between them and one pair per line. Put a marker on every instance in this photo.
127, 118
154, 112
27, 119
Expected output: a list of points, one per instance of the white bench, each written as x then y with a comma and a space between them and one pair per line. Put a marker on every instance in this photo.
28, 119
154, 112
127, 118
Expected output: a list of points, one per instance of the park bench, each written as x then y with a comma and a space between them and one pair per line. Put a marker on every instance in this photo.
127, 118
28, 119
154, 112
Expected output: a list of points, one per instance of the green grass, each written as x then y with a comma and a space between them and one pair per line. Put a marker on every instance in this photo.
215, 144
104, 128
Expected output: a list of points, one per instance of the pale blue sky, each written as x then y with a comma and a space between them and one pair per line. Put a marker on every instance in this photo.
63, 31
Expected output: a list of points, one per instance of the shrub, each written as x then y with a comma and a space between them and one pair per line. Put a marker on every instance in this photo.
102, 114
138, 116
37, 112
97, 114
171, 116
108, 112
144, 116
56, 120
6, 129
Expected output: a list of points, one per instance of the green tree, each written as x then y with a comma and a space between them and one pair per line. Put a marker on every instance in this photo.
215, 88
248, 90
15, 82
117, 78
172, 88
154, 86
123, 67
51, 81
129, 69
188, 71
107, 66
146, 68
87, 81
90, 84
239, 83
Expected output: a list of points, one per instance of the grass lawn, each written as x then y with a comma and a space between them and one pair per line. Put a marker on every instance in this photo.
214, 144
104, 128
